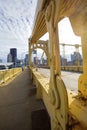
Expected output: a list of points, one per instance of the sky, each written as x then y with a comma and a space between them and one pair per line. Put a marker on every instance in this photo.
16, 20
16, 23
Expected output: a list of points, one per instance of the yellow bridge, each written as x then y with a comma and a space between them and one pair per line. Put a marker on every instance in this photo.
67, 110
64, 93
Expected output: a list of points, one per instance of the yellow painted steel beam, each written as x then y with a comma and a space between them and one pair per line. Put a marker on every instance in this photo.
48, 16
67, 8
40, 26
77, 106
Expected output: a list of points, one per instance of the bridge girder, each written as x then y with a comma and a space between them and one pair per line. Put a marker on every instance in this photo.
49, 14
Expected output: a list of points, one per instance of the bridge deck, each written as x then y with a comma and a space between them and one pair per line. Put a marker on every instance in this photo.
17, 101
70, 78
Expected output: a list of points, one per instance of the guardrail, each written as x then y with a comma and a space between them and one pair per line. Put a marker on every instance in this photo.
8, 74
72, 68
67, 68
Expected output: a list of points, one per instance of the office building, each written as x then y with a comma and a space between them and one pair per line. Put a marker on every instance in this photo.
9, 58
26, 59
13, 52
0, 60
76, 58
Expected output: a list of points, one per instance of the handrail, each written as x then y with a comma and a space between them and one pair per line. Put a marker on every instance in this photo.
8, 74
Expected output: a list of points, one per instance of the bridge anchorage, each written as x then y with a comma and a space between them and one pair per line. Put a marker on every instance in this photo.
66, 112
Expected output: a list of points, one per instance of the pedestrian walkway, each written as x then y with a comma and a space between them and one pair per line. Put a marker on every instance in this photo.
17, 102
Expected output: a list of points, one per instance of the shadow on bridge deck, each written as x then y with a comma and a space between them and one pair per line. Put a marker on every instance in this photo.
17, 102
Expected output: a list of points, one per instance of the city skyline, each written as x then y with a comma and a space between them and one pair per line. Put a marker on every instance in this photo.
15, 61
15, 25
73, 58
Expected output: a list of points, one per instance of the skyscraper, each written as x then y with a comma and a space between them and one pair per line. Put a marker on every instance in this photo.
13, 52
26, 59
9, 58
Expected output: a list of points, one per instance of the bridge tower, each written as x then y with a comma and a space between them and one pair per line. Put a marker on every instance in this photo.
39, 45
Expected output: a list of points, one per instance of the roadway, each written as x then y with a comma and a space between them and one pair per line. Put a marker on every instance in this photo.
70, 78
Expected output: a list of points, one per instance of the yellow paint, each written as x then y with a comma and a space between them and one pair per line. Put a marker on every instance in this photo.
6, 75
64, 110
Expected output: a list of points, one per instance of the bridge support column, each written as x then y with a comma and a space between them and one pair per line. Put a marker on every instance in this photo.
57, 92
84, 53
83, 78
79, 24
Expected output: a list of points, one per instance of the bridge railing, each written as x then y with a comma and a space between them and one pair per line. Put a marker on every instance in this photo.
67, 68
72, 68
43, 92
8, 74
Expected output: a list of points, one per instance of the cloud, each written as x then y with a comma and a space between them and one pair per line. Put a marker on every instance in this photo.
16, 18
